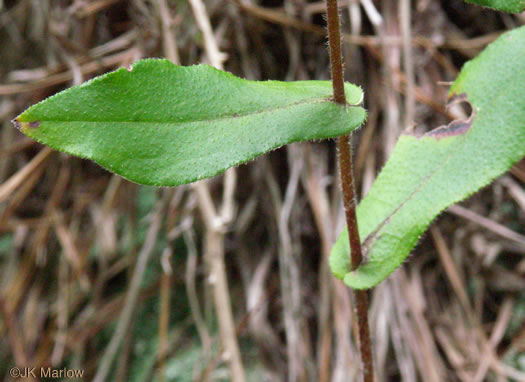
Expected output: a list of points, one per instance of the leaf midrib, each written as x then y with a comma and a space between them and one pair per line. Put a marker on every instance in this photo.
375, 234
211, 120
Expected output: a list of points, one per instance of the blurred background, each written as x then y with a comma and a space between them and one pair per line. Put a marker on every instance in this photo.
229, 277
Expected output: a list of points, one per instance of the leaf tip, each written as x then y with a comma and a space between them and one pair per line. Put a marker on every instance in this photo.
16, 123
24, 126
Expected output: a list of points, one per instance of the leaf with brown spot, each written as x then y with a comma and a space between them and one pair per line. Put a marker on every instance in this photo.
165, 125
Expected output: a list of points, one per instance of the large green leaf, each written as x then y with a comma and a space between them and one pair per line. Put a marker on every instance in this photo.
512, 6
427, 174
165, 125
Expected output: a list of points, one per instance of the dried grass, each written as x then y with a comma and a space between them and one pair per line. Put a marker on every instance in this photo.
117, 279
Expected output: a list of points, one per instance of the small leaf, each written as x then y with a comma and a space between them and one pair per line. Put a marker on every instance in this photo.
166, 125
427, 174
511, 6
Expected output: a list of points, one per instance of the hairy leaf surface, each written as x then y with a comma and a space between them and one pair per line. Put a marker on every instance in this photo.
512, 6
427, 174
166, 125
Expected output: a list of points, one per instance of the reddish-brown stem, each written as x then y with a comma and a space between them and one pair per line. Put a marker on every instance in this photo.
344, 146
365, 346
336, 59
346, 170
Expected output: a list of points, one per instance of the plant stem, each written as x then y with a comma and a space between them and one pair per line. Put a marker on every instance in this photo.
336, 59
344, 143
365, 346
344, 146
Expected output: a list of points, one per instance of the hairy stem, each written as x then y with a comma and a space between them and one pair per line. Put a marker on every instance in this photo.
344, 146
365, 346
336, 59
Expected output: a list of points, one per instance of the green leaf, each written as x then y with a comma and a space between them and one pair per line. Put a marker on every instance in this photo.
512, 6
166, 125
427, 174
